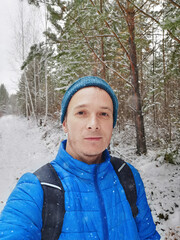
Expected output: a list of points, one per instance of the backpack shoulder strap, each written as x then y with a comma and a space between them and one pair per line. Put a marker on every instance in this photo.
127, 181
53, 206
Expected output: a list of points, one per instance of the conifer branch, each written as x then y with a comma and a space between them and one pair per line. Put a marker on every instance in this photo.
113, 32
146, 14
174, 3
95, 54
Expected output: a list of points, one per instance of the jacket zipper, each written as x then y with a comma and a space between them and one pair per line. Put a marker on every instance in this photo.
102, 207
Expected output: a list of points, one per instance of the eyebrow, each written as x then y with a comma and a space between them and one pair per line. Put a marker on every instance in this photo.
85, 105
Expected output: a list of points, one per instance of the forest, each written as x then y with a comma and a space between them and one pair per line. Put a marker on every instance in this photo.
133, 44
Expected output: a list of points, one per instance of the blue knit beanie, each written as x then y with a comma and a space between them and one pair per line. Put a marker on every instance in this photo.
88, 82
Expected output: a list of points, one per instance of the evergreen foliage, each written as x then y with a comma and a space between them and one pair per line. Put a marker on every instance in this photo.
86, 37
4, 99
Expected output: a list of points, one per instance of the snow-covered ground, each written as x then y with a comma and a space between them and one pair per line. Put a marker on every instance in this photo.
25, 147
21, 150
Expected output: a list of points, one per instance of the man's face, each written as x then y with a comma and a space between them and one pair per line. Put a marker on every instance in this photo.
89, 124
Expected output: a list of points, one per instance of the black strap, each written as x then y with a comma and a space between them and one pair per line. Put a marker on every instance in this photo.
53, 208
127, 181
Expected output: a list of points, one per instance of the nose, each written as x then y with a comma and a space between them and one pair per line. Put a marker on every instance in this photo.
93, 123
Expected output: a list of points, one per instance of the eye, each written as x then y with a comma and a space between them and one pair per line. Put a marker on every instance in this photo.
104, 114
80, 113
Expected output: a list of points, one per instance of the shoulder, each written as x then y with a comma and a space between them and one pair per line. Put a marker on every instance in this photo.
28, 186
134, 171
27, 196
118, 162
138, 180
22, 213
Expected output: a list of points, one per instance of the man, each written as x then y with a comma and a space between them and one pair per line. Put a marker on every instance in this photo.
96, 206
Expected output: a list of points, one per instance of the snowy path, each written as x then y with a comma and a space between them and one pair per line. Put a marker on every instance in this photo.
21, 150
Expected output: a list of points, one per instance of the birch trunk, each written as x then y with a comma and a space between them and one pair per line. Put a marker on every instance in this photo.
46, 82
29, 93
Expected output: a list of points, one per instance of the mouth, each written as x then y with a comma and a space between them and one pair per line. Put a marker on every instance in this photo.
93, 138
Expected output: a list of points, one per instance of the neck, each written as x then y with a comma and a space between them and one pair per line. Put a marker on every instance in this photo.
83, 157
91, 159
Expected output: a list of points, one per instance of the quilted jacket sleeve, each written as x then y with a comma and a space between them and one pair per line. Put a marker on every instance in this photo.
21, 216
144, 220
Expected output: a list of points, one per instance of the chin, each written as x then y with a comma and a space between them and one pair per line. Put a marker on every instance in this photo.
94, 151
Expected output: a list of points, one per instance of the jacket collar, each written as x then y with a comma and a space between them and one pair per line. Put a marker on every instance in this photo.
80, 168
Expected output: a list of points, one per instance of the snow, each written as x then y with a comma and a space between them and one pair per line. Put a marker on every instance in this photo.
25, 147
21, 150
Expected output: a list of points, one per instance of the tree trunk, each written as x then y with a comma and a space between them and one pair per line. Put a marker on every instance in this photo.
95, 67
139, 121
103, 70
46, 89
29, 93
35, 87
45, 65
26, 101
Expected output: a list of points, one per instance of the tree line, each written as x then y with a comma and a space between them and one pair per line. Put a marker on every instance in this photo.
8, 104
132, 44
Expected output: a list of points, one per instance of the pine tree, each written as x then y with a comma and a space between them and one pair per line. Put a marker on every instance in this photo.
4, 99
133, 44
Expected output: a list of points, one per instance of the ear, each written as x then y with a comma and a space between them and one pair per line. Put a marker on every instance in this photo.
65, 126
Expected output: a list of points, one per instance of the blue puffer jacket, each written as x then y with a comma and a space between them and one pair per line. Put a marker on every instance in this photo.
95, 204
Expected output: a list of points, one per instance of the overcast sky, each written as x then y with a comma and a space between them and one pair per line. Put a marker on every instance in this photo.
8, 10
9, 73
